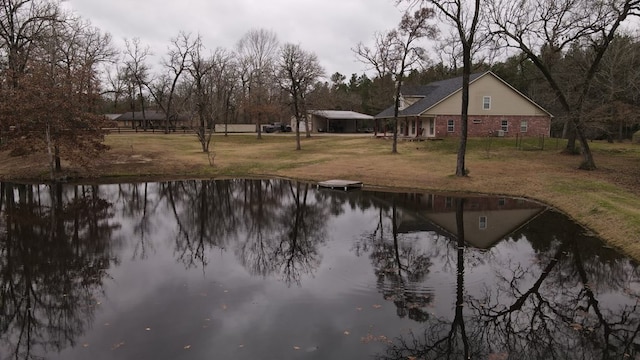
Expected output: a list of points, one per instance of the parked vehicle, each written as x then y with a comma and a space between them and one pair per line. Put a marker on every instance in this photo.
276, 127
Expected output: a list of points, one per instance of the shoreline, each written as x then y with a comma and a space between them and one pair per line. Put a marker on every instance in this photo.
605, 201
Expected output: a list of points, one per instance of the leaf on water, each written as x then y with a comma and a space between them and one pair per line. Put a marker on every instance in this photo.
85, 345
207, 319
296, 348
106, 324
241, 346
117, 346
148, 329
224, 306
576, 326
226, 291
359, 308
376, 306
346, 332
375, 338
187, 347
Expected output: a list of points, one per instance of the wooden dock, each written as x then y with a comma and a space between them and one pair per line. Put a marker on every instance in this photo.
340, 184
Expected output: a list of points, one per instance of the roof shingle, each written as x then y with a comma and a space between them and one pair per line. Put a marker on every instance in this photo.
431, 94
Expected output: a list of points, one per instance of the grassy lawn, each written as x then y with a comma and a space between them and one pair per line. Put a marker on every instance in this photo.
606, 200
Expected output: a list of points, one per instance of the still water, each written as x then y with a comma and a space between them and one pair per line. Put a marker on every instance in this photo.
272, 269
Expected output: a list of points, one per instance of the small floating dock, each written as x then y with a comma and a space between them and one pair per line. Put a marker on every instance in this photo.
340, 184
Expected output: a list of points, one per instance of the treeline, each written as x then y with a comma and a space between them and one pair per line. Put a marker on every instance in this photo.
58, 74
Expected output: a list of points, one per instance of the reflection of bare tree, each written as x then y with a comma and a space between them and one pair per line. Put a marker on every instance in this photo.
551, 308
137, 205
206, 215
400, 266
441, 339
301, 231
260, 204
283, 232
55, 248
560, 316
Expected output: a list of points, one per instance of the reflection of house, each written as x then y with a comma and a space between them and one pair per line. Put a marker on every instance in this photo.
337, 121
487, 220
150, 119
495, 107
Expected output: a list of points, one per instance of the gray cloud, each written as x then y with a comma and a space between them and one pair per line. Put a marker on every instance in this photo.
328, 28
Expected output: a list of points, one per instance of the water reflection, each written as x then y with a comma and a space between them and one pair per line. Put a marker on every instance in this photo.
55, 248
573, 299
324, 273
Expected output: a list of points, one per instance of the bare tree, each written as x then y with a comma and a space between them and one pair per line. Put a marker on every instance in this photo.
53, 107
23, 25
116, 84
258, 50
539, 28
299, 70
136, 74
224, 81
163, 88
465, 17
396, 52
615, 94
200, 71
213, 84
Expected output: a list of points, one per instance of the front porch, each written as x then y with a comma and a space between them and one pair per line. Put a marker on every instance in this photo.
409, 128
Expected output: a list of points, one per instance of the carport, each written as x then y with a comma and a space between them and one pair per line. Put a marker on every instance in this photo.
340, 121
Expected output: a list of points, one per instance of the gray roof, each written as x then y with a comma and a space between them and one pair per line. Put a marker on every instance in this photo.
431, 94
341, 115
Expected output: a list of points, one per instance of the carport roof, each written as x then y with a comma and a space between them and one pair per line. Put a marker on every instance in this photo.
341, 115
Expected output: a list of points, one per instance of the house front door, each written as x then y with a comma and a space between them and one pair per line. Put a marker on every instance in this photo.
432, 127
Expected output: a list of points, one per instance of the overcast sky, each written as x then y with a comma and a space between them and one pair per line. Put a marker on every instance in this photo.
329, 28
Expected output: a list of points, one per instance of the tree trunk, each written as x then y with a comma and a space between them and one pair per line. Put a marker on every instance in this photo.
57, 157
296, 111
50, 152
396, 110
462, 148
571, 138
588, 163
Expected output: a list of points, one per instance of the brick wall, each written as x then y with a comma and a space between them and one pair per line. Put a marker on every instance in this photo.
484, 125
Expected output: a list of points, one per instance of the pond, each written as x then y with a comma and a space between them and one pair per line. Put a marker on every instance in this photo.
255, 269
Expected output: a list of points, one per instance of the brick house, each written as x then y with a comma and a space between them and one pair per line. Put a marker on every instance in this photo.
495, 109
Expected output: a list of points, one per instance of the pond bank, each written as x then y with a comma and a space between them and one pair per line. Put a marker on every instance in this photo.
606, 200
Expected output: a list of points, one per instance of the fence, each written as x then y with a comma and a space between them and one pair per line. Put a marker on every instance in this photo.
529, 142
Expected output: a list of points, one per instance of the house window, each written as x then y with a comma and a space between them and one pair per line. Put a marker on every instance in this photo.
486, 103
501, 202
523, 126
448, 201
413, 126
482, 222
450, 125
504, 125
477, 121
